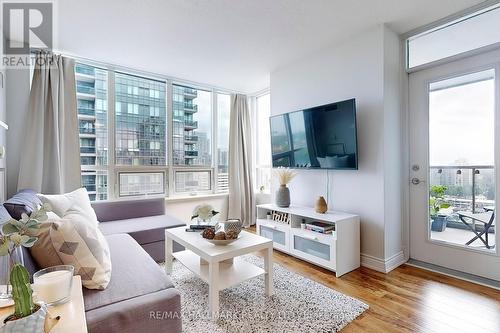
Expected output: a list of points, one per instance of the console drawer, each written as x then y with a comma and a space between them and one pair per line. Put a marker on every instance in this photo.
280, 235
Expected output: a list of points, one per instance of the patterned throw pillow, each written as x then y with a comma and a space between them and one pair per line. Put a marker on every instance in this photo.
83, 246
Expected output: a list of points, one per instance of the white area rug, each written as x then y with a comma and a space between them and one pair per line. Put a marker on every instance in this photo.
298, 304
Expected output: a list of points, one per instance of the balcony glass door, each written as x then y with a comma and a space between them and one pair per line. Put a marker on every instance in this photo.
453, 112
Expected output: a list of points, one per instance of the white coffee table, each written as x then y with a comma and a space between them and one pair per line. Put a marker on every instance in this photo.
218, 265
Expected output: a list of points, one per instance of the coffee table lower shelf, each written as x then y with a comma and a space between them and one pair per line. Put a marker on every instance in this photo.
231, 272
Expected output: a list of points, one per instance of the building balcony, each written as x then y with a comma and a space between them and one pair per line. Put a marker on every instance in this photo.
87, 150
190, 153
190, 138
461, 204
190, 108
85, 130
85, 90
86, 112
190, 93
90, 187
85, 70
189, 124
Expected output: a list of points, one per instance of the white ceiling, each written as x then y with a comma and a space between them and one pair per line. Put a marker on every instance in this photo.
233, 44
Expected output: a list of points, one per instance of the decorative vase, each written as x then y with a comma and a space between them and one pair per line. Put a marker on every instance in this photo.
321, 206
283, 196
6, 264
234, 225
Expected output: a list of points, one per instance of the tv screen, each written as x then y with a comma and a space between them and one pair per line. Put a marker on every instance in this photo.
323, 137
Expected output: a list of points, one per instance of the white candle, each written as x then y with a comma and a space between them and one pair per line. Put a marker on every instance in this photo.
53, 286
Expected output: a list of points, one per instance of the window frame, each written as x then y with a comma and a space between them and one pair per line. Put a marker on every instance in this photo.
169, 169
257, 167
445, 22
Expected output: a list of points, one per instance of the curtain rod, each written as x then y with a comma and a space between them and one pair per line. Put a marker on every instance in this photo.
122, 68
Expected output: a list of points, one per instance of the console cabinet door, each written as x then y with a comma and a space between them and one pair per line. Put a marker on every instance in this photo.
279, 234
313, 247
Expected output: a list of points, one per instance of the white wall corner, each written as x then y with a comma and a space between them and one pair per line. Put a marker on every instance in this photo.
383, 265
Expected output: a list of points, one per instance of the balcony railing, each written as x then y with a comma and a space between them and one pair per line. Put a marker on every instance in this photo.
87, 150
464, 189
86, 111
190, 91
190, 107
190, 138
85, 130
90, 187
190, 123
85, 90
85, 70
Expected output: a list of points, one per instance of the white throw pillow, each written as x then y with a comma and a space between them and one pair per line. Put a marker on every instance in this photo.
76, 202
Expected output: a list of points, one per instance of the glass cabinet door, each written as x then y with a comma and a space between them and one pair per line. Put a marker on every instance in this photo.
276, 235
311, 247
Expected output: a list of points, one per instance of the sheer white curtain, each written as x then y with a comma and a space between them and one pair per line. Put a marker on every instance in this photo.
50, 162
241, 190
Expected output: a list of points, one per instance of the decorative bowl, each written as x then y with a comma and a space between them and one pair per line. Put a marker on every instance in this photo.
221, 242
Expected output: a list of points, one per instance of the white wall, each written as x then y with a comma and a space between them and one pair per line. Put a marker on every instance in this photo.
354, 69
393, 163
182, 209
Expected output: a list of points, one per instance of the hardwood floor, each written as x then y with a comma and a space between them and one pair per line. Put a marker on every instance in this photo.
409, 299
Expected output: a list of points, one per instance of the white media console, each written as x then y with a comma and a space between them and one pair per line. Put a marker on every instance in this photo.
338, 251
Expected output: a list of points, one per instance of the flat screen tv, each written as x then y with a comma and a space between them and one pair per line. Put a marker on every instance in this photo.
322, 137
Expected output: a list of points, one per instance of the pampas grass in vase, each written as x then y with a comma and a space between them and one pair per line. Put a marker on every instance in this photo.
285, 176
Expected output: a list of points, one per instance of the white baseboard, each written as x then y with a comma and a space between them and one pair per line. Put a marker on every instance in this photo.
383, 265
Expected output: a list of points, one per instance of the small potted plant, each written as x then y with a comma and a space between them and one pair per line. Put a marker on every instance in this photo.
16, 234
436, 203
285, 176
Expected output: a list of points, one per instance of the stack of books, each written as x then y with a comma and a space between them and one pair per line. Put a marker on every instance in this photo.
321, 227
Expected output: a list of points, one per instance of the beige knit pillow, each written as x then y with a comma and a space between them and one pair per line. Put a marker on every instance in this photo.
82, 245
43, 251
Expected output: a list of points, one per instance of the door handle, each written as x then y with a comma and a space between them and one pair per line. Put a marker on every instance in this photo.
416, 181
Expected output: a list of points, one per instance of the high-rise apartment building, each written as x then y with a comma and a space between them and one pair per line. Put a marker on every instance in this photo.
140, 121
191, 145
92, 96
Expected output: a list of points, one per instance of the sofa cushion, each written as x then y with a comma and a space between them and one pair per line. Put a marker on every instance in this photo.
134, 274
24, 201
144, 229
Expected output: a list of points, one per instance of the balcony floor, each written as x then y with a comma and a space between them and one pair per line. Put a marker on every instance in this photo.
460, 237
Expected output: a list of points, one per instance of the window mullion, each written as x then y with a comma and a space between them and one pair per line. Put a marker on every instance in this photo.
215, 157
112, 177
170, 139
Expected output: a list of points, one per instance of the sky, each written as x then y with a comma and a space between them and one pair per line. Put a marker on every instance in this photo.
461, 124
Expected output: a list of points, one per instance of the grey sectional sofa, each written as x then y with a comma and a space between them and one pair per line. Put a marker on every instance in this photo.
140, 296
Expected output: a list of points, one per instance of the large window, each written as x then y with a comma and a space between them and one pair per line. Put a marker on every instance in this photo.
140, 121
223, 112
263, 143
142, 136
